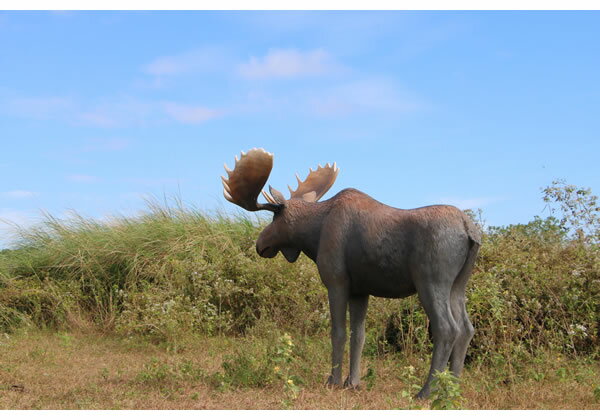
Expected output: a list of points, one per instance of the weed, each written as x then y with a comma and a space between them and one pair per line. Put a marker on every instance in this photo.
261, 366
38, 353
154, 372
244, 370
408, 376
370, 378
538, 376
282, 359
561, 373
157, 372
190, 371
446, 393
66, 340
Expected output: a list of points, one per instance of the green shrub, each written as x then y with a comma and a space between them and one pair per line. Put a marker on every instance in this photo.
27, 302
11, 319
445, 392
259, 365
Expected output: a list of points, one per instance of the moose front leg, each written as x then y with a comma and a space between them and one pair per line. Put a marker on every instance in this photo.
338, 304
358, 312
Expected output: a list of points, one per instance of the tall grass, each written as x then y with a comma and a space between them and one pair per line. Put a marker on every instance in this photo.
171, 270
176, 271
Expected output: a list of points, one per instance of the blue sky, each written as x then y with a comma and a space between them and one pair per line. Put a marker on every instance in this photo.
475, 109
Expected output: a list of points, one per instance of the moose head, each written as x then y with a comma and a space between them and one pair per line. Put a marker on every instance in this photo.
289, 228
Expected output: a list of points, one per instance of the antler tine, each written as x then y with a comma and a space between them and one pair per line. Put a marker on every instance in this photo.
247, 178
317, 183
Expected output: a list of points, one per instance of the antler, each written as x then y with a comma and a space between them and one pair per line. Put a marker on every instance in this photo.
246, 180
317, 183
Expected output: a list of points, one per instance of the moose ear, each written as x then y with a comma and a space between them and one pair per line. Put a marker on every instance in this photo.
277, 196
310, 196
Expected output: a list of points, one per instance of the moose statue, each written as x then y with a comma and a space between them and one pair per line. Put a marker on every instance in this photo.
365, 248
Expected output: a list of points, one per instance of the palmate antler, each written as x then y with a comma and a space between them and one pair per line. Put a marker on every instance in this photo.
317, 183
246, 180
251, 173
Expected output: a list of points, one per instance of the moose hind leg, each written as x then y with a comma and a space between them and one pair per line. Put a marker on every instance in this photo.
358, 312
435, 298
459, 311
459, 351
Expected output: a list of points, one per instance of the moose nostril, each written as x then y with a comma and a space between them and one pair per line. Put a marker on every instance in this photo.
262, 252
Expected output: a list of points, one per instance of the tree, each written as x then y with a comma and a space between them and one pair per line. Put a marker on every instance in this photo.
577, 209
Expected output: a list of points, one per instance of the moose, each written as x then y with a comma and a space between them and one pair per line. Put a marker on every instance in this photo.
365, 248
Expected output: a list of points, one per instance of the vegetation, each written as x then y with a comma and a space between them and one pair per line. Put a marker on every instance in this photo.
175, 275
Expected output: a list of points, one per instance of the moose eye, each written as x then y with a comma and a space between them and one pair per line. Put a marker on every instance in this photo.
276, 213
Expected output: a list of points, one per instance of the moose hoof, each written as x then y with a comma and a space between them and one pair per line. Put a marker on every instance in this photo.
332, 383
423, 394
351, 386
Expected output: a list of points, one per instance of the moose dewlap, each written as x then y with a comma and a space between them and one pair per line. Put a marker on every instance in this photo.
365, 248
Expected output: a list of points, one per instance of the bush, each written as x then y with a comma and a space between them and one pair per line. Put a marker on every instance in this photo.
445, 392
169, 271
176, 271
259, 365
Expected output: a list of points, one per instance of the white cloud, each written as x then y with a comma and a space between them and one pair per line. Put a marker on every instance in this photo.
370, 95
199, 60
86, 179
116, 113
48, 107
134, 112
288, 63
97, 119
189, 114
153, 182
19, 194
105, 145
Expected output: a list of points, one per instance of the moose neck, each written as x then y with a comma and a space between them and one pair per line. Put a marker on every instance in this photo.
307, 227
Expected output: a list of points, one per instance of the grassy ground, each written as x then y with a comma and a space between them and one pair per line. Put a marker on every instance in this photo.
53, 370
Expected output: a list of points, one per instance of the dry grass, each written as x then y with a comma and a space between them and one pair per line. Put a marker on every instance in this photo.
91, 371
